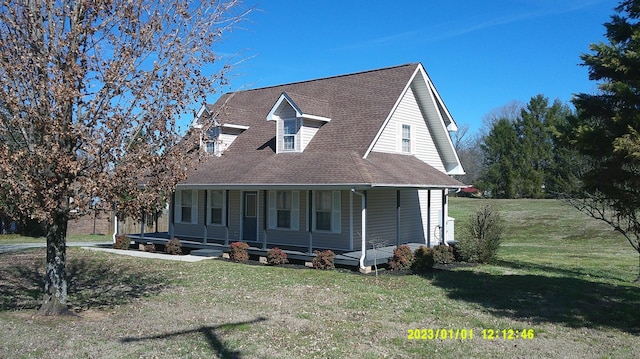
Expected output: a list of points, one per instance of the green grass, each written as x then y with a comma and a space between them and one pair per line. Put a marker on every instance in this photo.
566, 277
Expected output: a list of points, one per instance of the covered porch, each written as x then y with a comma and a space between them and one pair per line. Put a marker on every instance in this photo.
373, 256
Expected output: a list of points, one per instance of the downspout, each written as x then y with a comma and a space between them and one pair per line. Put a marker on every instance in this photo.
397, 218
429, 219
363, 195
444, 217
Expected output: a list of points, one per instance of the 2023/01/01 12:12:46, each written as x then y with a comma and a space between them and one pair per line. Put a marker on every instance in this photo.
508, 334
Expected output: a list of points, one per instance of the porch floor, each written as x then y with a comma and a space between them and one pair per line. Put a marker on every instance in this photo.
377, 256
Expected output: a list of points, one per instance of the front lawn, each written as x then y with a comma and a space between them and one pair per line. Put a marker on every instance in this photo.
560, 276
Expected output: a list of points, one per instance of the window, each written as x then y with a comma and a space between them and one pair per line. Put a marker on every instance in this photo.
211, 147
323, 210
284, 209
186, 206
186, 203
289, 134
406, 138
216, 207
210, 139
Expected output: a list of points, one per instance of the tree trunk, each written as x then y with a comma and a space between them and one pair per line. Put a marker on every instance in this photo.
638, 277
55, 279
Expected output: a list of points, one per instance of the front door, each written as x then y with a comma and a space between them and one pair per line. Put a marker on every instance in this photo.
250, 216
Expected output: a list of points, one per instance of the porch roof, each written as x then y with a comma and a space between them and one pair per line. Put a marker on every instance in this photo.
325, 169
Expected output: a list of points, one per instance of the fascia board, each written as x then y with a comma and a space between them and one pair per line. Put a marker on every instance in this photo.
283, 97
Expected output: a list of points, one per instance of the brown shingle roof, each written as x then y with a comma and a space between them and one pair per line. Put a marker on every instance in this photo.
358, 105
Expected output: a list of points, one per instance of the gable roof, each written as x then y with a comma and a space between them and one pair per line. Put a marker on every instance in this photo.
358, 105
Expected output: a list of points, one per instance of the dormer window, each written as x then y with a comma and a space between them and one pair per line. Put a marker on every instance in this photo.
290, 132
297, 122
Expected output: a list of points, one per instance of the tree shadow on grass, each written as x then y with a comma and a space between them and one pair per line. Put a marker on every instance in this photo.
208, 332
91, 283
548, 269
564, 300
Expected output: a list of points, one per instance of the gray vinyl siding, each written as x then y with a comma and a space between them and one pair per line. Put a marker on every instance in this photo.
235, 207
411, 221
381, 217
435, 215
308, 130
408, 112
216, 232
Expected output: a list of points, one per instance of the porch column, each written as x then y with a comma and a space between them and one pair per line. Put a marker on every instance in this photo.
172, 214
310, 219
264, 218
350, 220
226, 217
142, 224
206, 215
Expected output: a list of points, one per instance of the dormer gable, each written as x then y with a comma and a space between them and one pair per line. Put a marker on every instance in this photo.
297, 121
218, 136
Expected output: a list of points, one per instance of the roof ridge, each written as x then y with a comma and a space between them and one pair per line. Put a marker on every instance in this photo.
325, 78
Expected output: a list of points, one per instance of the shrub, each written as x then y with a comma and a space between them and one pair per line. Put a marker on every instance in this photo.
122, 242
443, 254
402, 258
482, 236
173, 247
324, 259
423, 259
276, 256
238, 252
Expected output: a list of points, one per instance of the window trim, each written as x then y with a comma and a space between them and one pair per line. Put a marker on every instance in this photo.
294, 135
178, 206
336, 212
294, 219
210, 206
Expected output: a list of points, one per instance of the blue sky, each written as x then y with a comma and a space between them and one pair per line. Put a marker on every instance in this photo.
481, 55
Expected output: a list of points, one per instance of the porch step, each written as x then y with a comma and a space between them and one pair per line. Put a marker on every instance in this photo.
206, 252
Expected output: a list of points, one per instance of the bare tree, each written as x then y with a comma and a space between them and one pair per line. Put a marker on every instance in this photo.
91, 92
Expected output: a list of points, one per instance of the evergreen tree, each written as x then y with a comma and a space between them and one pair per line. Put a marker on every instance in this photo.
500, 155
606, 130
520, 153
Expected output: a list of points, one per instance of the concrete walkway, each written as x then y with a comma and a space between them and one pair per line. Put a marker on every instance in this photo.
4, 248
134, 253
104, 247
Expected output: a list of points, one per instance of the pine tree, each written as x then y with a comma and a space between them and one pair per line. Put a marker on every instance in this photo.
606, 130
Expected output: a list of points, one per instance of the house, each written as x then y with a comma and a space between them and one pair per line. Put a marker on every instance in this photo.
338, 163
